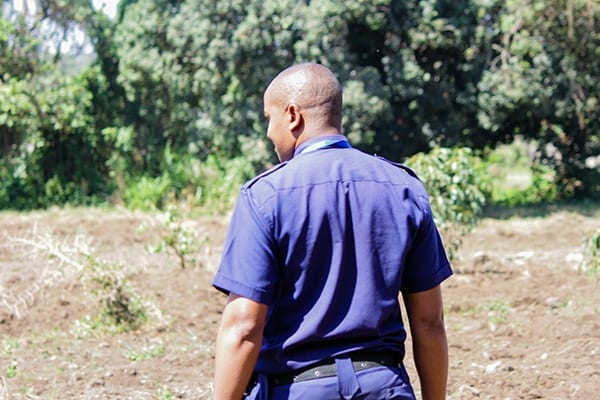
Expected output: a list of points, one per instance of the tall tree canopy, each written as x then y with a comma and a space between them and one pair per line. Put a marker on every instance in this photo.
188, 76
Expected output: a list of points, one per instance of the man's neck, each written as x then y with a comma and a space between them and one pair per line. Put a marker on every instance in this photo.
317, 132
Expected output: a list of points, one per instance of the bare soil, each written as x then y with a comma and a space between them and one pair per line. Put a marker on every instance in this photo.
523, 321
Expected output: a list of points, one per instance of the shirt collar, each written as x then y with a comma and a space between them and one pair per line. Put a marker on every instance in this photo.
322, 142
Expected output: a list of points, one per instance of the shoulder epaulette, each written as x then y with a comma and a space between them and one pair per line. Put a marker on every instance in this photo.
399, 165
264, 174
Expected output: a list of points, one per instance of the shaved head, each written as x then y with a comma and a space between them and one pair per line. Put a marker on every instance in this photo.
313, 88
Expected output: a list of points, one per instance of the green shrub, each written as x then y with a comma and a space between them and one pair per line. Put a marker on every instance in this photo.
121, 307
457, 188
518, 179
222, 181
591, 254
176, 235
541, 189
147, 193
211, 185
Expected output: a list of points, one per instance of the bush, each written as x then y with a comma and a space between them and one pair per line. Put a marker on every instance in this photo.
457, 186
176, 235
120, 307
541, 189
519, 179
591, 254
147, 193
222, 181
211, 185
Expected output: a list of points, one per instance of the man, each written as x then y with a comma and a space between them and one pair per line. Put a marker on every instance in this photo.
318, 250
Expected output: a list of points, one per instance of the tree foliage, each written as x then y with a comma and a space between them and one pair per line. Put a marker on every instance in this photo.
186, 77
544, 81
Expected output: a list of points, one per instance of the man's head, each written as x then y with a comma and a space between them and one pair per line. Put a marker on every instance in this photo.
301, 102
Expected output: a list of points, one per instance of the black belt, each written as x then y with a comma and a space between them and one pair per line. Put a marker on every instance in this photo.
360, 360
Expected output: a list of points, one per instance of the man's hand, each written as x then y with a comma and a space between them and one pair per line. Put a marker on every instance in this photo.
238, 344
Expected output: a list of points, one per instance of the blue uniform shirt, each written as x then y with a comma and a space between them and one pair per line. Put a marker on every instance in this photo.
328, 240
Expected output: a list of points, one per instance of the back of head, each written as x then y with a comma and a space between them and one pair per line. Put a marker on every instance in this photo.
312, 87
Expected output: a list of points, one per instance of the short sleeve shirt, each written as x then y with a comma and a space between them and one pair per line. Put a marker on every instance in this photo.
328, 240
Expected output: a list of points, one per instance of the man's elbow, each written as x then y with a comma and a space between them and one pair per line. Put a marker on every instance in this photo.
243, 320
430, 326
247, 329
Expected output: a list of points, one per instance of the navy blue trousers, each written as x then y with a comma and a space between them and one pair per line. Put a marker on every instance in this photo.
378, 383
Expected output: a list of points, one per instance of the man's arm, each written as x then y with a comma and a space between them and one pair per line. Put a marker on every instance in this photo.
238, 344
430, 346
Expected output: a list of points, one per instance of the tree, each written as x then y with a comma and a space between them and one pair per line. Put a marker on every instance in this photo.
195, 70
53, 150
192, 71
543, 83
405, 66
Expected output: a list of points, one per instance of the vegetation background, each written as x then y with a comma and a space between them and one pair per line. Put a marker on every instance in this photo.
162, 104
124, 141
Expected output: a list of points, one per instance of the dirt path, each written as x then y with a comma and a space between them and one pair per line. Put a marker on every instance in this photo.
523, 321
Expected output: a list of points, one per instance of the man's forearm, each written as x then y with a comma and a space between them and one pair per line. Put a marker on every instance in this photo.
238, 344
235, 359
430, 349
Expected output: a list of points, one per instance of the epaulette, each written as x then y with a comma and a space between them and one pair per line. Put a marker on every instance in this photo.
264, 174
399, 165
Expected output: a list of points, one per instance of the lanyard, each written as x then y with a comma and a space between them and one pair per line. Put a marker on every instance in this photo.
326, 143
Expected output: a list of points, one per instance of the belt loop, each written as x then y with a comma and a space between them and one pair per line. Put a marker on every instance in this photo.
260, 390
263, 387
347, 381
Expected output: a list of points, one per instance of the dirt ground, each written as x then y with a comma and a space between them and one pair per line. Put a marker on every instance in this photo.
523, 321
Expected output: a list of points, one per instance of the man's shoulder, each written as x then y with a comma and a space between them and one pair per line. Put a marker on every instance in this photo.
403, 167
264, 175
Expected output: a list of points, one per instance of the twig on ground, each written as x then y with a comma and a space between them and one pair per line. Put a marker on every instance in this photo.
3, 389
45, 243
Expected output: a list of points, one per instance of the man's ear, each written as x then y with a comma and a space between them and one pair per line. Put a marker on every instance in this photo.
295, 117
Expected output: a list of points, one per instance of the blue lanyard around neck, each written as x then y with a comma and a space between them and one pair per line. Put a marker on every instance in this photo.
326, 144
